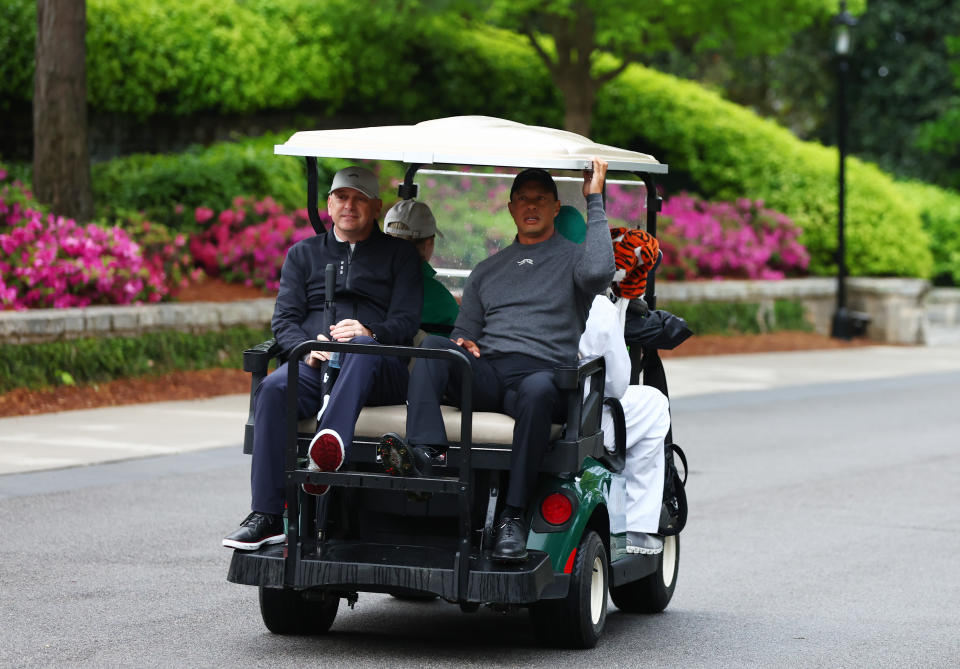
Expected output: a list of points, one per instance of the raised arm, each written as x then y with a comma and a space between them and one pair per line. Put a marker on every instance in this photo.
594, 271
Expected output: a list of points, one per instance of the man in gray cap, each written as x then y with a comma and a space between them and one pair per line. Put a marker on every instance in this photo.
378, 297
413, 221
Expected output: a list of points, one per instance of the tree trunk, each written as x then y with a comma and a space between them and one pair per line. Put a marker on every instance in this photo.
578, 97
61, 158
573, 38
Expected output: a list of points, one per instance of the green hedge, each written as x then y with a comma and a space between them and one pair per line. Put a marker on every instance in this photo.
726, 152
740, 317
183, 56
201, 176
104, 359
940, 212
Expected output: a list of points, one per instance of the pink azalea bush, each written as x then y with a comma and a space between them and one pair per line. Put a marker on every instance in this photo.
716, 240
248, 242
52, 261
741, 239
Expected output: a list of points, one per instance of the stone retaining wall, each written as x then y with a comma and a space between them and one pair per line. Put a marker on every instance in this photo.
902, 311
39, 325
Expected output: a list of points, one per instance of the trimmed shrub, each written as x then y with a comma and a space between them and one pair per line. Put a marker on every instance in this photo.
167, 188
727, 151
712, 240
104, 359
248, 242
940, 212
740, 317
51, 261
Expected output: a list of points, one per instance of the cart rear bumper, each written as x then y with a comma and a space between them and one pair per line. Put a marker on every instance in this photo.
349, 566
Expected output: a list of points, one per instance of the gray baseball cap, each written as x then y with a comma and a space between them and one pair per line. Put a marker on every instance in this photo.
411, 220
358, 178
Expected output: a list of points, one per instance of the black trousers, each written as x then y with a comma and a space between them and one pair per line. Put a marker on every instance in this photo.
517, 385
364, 380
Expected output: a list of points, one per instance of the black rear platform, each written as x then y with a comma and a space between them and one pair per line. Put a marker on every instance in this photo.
351, 566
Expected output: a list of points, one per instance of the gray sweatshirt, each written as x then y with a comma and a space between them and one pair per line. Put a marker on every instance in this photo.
534, 298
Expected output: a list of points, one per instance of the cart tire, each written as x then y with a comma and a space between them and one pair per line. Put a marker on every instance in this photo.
652, 593
577, 621
288, 611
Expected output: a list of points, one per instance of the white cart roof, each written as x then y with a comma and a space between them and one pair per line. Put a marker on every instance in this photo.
467, 140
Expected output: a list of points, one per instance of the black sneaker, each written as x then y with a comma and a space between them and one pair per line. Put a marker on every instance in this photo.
398, 458
256, 530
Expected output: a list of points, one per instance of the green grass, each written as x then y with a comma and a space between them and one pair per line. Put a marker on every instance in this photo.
740, 317
45, 365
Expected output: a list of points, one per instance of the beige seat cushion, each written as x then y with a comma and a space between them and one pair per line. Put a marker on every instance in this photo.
488, 427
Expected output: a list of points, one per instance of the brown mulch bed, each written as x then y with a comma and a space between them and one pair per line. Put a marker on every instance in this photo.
212, 382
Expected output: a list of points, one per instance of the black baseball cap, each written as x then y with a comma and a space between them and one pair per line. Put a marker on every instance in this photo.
536, 175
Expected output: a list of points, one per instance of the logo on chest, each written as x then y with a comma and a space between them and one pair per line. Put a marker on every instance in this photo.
525, 261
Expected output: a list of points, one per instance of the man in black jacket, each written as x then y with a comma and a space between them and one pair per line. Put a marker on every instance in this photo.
378, 296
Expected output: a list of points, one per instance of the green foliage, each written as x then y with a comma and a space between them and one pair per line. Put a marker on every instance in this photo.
940, 211
201, 176
104, 359
740, 317
628, 28
18, 33
480, 71
183, 56
940, 137
727, 152
904, 100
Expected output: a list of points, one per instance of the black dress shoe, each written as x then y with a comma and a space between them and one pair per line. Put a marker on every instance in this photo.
256, 530
511, 545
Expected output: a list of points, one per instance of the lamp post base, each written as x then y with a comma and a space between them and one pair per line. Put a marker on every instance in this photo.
849, 324
840, 328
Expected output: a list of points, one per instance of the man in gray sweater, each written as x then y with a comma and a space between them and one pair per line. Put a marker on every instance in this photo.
521, 317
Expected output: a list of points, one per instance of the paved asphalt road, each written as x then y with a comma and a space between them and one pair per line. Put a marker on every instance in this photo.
824, 531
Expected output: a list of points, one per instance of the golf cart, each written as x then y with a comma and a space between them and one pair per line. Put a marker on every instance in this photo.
426, 537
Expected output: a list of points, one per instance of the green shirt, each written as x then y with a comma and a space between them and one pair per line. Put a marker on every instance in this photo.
439, 306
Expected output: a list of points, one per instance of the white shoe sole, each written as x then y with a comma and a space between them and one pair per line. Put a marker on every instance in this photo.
637, 550
243, 546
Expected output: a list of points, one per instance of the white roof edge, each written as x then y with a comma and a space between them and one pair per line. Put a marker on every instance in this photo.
466, 159
467, 140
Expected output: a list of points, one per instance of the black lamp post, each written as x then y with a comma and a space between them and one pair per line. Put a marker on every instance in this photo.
843, 23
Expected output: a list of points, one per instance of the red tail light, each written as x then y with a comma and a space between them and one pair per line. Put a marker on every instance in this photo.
556, 509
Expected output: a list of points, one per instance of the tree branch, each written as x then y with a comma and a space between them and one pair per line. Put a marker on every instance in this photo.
544, 56
607, 76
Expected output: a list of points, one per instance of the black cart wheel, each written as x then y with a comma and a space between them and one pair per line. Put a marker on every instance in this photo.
577, 621
652, 593
287, 611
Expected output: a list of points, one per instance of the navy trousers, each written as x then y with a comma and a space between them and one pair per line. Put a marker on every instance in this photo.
517, 385
364, 380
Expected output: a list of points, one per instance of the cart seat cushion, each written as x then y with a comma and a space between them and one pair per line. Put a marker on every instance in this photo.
488, 428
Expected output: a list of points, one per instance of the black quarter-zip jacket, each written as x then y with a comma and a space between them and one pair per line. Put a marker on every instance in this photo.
378, 284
